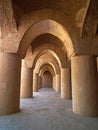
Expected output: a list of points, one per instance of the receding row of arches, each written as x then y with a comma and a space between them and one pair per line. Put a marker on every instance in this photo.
49, 50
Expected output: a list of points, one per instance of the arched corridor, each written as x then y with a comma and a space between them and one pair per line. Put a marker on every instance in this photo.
49, 48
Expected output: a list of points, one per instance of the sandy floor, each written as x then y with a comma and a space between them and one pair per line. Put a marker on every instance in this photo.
46, 111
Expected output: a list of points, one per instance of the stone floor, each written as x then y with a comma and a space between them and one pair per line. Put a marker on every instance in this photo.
46, 111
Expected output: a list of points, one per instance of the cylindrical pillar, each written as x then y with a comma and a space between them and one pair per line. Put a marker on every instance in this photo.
97, 67
58, 82
97, 63
35, 82
39, 82
84, 85
10, 69
54, 82
26, 81
66, 83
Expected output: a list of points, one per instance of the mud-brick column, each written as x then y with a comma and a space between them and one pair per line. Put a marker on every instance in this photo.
58, 82
26, 81
39, 82
54, 82
97, 63
10, 69
84, 85
97, 67
35, 82
66, 83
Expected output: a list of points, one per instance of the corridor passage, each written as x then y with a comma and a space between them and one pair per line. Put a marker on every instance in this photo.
47, 111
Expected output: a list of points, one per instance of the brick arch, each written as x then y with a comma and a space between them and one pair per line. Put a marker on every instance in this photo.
40, 53
47, 68
52, 22
57, 52
52, 63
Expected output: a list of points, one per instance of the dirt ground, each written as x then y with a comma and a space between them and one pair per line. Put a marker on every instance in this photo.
47, 111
